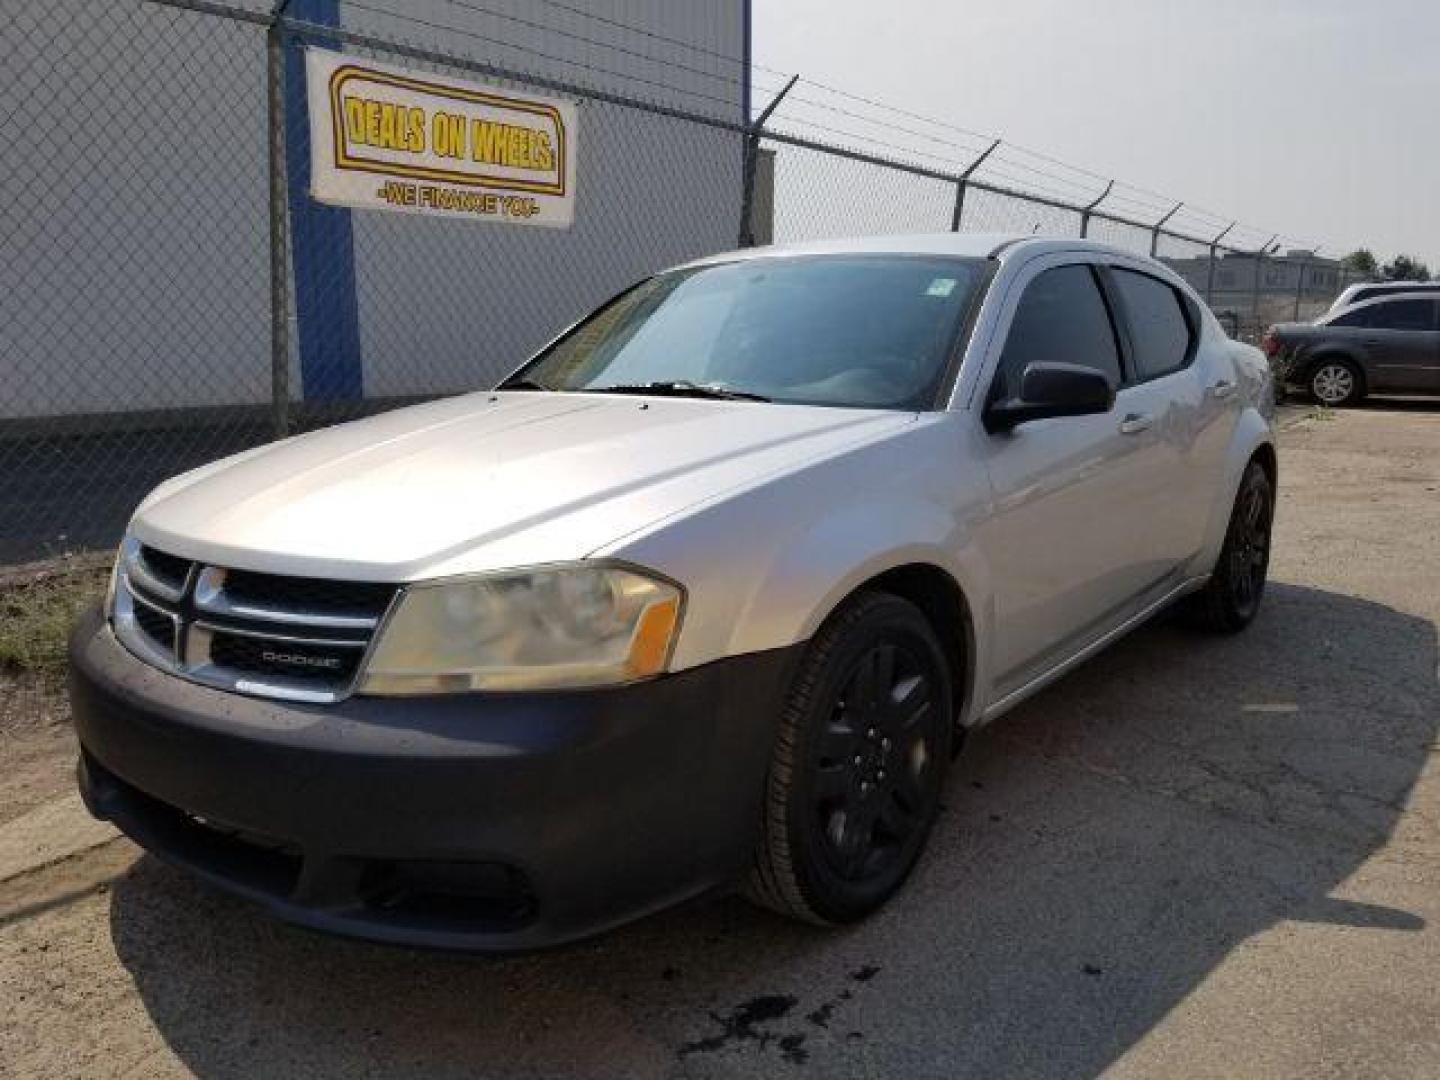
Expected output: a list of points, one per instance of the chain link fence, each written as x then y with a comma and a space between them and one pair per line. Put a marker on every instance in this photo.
171, 293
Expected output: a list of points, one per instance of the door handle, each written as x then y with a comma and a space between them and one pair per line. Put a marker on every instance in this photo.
1135, 423
1222, 389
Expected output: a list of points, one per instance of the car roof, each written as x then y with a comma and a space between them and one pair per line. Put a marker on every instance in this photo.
1394, 286
1389, 298
965, 245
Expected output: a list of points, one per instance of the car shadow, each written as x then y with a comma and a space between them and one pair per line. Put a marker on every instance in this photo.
1102, 850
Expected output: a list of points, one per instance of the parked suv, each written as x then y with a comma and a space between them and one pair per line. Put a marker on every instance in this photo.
1385, 346
1374, 290
707, 592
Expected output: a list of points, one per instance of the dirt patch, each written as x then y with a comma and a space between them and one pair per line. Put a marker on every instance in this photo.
38, 605
37, 746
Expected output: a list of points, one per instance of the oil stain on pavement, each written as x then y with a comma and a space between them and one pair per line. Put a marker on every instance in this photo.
754, 1022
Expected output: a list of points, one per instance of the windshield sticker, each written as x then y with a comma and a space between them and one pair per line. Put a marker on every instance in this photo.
941, 286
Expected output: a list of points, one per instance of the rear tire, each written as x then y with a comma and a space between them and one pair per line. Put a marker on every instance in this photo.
855, 776
1231, 598
1336, 383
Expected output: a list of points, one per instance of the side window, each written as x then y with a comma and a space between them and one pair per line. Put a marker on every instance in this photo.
1061, 319
1353, 318
1403, 315
1159, 331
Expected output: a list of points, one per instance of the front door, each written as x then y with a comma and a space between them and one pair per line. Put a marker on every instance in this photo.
1073, 496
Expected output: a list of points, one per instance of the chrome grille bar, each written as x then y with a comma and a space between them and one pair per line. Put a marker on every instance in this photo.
211, 596
139, 573
282, 639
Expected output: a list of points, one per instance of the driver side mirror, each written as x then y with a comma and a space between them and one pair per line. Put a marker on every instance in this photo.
1048, 390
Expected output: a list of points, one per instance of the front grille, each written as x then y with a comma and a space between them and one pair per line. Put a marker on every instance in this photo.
308, 594
265, 634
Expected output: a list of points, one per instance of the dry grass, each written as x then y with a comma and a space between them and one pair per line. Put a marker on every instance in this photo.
37, 608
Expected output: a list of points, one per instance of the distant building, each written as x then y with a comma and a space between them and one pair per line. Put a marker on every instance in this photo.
1231, 286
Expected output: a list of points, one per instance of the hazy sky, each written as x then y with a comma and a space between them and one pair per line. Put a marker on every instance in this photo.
1319, 119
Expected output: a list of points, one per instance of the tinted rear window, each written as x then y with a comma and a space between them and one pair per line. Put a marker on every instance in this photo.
1403, 315
1159, 331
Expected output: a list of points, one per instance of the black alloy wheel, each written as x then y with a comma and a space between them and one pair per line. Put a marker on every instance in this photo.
1231, 599
855, 782
868, 796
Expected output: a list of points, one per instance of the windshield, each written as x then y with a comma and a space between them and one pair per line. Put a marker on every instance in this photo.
861, 331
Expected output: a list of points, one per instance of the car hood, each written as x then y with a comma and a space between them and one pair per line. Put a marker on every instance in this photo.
484, 481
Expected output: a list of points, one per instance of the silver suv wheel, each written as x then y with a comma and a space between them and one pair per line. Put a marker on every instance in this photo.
1333, 383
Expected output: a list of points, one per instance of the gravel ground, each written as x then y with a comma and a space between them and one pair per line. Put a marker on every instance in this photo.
1194, 856
35, 756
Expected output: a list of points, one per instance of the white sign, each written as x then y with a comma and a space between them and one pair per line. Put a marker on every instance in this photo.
391, 139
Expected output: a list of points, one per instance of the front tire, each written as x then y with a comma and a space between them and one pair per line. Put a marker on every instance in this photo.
1231, 598
1336, 383
855, 776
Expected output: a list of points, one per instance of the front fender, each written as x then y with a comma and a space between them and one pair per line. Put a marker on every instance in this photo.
763, 567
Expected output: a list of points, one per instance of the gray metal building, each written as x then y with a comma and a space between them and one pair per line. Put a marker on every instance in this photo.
134, 279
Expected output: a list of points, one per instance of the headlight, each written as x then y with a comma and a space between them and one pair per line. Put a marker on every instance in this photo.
537, 629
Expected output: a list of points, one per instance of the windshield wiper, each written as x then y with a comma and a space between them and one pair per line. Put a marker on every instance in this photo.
680, 388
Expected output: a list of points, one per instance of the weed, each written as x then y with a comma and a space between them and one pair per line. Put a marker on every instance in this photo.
37, 611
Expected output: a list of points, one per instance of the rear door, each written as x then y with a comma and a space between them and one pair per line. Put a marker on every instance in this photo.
1186, 405
1427, 372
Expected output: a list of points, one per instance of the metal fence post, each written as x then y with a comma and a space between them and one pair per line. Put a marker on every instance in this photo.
1260, 254
1300, 284
1155, 229
1090, 208
279, 259
1210, 274
753, 132
1255, 292
963, 181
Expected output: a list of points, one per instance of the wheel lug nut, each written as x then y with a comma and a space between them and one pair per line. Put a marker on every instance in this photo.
884, 744
857, 761
870, 733
864, 786
880, 775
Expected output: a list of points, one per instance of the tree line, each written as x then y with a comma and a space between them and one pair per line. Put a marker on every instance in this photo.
1401, 268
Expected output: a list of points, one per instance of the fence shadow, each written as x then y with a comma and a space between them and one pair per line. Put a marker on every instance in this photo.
1102, 850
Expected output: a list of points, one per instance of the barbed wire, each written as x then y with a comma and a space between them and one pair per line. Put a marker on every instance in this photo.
449, 28
1141, 199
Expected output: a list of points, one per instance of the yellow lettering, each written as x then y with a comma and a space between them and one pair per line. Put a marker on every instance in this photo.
354, 120
372, 122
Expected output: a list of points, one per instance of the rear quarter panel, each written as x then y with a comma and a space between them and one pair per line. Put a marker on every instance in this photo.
1253, 428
